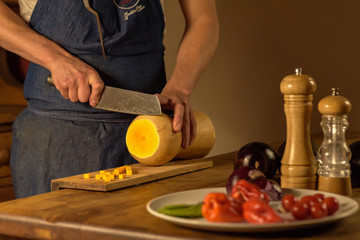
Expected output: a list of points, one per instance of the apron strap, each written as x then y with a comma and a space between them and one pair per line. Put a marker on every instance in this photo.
88, 7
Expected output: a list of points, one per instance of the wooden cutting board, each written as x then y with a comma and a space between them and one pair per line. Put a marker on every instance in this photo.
141, 174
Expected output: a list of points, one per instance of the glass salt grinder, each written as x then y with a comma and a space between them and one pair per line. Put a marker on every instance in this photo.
334, 154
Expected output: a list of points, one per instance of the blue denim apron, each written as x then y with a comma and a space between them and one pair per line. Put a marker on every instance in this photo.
55, 137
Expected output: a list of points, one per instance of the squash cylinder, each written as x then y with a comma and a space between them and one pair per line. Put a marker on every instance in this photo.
152, 141
204, 141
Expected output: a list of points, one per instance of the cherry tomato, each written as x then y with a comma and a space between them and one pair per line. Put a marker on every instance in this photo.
300, 210
308, 199
288, 201
317, 210
331, 204
319, 196
313, 206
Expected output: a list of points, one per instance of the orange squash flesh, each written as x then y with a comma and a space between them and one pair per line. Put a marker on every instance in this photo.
144, 140
151, 139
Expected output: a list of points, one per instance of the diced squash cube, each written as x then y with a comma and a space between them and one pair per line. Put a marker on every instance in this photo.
119, 170
129, 170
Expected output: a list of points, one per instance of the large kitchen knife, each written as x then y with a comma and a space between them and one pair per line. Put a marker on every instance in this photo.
126, 101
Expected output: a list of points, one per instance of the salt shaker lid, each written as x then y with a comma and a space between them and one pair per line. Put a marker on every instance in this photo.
298, 84
334, 104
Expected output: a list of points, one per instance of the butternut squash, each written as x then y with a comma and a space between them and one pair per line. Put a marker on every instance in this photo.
204, 141
152, 141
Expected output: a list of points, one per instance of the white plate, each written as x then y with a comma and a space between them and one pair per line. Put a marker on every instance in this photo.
348, 207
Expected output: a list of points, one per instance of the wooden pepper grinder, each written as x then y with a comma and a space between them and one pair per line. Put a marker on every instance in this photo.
334, 154
298, 164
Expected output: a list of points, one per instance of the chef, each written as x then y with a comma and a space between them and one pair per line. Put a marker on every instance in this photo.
85, 45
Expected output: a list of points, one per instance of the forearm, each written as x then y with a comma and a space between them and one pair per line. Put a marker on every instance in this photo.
196, 49
72, 77
17, 37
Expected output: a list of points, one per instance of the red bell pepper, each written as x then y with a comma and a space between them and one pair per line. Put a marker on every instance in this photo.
217, 208
257, 211
247, 190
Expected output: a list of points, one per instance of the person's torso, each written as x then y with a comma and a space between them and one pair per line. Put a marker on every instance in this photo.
132, 33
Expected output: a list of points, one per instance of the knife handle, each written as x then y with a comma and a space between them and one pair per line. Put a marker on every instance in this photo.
50, 81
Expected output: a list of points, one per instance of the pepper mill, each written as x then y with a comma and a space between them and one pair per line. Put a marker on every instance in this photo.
298, 164
334, 154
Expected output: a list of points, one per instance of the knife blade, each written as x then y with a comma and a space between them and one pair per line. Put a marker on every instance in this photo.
126, 101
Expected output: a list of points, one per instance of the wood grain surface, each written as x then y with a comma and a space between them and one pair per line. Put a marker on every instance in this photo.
121, 214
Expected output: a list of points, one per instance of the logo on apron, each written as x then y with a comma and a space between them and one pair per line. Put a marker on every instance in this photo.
130, 5
126, 4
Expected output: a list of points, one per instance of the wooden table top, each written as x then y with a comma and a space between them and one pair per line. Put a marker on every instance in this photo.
121, 214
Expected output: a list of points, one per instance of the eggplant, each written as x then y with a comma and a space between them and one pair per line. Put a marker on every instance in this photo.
355, 163
258, 155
